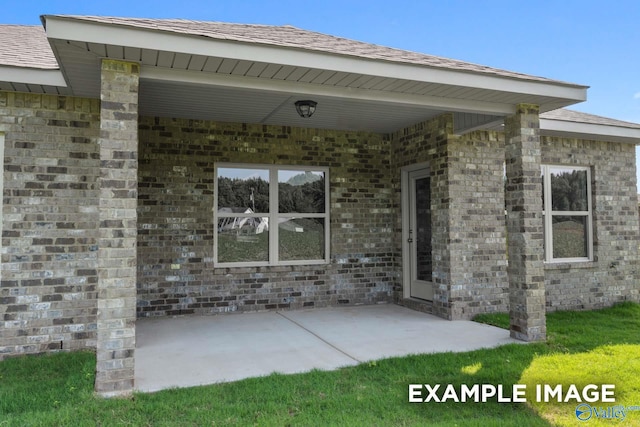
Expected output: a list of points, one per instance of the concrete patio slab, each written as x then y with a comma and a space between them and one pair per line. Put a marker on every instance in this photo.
196, 350
375, 332
189, 351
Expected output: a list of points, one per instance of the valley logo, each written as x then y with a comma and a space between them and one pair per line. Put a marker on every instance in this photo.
585, 412
586, 397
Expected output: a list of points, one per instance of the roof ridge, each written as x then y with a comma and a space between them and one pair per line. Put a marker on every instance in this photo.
200, 21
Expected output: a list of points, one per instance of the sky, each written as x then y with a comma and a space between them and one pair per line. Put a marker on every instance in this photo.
593, 43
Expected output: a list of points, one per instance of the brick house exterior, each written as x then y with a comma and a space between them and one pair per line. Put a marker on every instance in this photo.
114, 132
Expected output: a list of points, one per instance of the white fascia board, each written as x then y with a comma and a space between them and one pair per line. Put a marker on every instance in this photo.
96, 32
281, 86
32, 76
590, 131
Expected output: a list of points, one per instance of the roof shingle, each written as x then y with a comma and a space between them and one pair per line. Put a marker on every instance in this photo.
26, 46
579, 117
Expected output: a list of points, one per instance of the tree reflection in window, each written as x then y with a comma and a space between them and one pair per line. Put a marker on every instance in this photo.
567, 225
271, 215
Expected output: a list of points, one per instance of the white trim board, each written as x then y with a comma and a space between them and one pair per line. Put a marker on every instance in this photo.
589, 131
32, 76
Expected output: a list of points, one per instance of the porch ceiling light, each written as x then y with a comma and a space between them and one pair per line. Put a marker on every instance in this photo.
306, 108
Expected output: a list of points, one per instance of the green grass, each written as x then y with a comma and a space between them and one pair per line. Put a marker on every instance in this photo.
57, 390
501, 320
45, 382
617, 365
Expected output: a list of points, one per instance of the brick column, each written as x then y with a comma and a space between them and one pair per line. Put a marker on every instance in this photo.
441, 215
524, 224
117, 239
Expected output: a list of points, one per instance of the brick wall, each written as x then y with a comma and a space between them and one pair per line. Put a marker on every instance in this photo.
50, 219
468, 203
467, 193
176, 274
479, 282
427, 143
613, 275
50, 232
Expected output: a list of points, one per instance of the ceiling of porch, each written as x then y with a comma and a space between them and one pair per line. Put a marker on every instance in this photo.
202, 102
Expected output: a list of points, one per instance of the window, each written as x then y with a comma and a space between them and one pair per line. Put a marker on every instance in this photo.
566, 208
271, 215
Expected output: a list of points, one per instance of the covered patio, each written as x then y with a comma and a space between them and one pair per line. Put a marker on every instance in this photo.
189, 351
181, 101
416, 181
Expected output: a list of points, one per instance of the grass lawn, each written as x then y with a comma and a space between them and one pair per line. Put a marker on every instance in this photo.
583, 347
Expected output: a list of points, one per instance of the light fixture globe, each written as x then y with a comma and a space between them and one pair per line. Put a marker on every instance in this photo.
306, 108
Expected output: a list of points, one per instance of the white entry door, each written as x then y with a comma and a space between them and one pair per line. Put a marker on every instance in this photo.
419, 235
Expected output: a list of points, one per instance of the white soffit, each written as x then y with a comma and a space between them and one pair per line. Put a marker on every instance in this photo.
270, 85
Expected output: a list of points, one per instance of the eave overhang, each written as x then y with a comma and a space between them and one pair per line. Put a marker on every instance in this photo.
182, 74
32, 76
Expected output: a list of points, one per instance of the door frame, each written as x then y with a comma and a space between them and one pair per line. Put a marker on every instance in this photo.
406, 214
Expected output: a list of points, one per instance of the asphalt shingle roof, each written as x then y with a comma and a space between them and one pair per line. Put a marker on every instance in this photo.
292, 37
579, 117
26, 46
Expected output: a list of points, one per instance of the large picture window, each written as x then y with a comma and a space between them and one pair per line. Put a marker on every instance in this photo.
566, 207
271, 215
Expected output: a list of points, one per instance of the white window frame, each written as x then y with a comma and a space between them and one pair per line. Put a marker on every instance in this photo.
548, 214
273, 215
